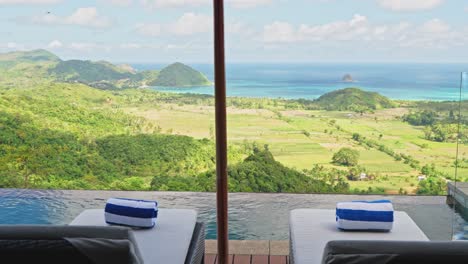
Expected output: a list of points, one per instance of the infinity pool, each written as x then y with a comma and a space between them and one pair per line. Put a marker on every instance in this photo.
251, 216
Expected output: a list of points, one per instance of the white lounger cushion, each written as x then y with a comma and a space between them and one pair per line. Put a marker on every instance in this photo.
168, 242
312, 229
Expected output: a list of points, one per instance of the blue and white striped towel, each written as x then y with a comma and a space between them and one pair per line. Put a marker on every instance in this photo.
129, 212
365, 215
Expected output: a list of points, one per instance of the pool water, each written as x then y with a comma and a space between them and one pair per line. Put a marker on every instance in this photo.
251, 216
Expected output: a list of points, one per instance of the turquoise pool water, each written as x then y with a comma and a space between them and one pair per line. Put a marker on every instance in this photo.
251, 216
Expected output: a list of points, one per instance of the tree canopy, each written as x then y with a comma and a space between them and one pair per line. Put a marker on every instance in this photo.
354, 99
346, 157
259, 172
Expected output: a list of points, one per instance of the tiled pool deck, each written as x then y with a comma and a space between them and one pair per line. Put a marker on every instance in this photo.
251, 252
248, 259
252, 247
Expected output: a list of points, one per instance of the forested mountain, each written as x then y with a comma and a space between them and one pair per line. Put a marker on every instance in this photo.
28, 57
88, 71
101, 74
72, 136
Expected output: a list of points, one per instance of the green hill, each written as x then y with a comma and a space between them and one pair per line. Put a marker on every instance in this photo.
47, 158
353, 99
146, 78
87, 71
68, 136
23, 66
259, 172
32, 56
25, 69
179, 75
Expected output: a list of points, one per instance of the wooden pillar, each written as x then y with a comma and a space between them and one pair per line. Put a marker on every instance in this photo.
221, 132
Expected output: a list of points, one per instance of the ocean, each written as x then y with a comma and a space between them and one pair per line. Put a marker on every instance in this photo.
438, 82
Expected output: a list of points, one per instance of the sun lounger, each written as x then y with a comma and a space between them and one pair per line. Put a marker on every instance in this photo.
311, 230
25, 244
176, 239
395, 252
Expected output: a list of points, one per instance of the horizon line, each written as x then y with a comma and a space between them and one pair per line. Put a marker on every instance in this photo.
119, 61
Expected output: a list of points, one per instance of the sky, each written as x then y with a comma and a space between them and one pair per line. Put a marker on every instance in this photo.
270, 31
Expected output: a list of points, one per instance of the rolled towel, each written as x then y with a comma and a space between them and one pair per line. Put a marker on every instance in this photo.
129, 212
365, 215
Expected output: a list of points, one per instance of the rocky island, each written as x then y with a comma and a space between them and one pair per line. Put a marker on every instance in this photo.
348, 78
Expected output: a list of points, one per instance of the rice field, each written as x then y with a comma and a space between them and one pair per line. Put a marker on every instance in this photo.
301, 139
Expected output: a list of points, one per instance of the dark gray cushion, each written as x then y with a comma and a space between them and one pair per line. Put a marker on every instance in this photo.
96, 244
395, 252
57, 251
58, 231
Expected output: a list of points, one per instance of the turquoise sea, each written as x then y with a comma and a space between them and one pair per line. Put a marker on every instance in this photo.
309, 81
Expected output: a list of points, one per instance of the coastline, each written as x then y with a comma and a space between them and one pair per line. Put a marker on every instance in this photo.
408, 82
192, 90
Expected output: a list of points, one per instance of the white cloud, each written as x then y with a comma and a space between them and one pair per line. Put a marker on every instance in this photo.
191, 23
130, 46
280, 32
434, 33
184, 46
173, 3
339, 30
410, 5
55, 44
84, 16
239, 28
151, 30
187, 24
89, 47
118, 2
435, 26
360, 32
11, 45
154, 4
247, 3
82, 46
139, 46
88, 16
342, 30
32, 2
